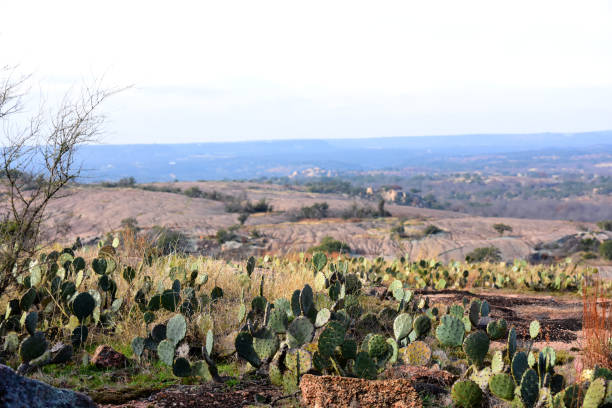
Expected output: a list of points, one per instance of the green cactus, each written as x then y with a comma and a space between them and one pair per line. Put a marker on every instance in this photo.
330, 338
11, 343
417, 353
421, 326
595, 394
322, 318
476, 347
138, 344
456, 311
450, 332
181, 367
497, 362
245, 350
31, 321
511, 344
33, 347
165, 352
298, 361
83, 305
176, 329
529, 388
572, 396
534, 329
519, 366
497, 329
296, 307
394, 350
377, 346
306, 300
265, 344
319, 260
278, 321
300, 331
466, 394
402, 325
170, 299
502, 386
250, 265
475, 312
364, 366
484, 308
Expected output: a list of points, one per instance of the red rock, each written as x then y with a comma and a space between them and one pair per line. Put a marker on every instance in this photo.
339, 392
106, 357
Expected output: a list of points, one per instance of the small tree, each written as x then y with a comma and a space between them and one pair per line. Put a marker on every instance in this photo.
486, 254
501, 228
242, 218
36, 163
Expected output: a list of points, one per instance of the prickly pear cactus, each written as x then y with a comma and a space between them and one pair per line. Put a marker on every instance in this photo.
595, 394
278, 321
529, 388
330, 338
421, 326
364, 366
502, 386
519, 366
402, 325
377, 346
497, 362
181, 367
475, 312
511, 343
176, 329
476, 347
416, 354
33, 347
466, 394
265, 345
298, 361
245, 349
497, 329
450, 332
300, 332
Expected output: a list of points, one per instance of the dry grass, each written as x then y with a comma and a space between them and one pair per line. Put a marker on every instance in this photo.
597, 327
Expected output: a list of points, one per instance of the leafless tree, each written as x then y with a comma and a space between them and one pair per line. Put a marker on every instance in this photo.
37, 160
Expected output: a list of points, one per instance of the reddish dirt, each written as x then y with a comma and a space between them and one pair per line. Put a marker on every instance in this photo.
560, 316
337, 392
208, 395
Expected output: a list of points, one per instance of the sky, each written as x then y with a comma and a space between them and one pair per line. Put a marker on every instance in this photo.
229, 70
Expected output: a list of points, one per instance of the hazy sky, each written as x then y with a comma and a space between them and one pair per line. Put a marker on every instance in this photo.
239, 70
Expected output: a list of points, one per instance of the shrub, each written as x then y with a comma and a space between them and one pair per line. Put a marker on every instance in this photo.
605, 250
123, 182
354, 211
242, 218
501, 228
486, 254
193, 192
605, 225
329, 244
224, 235
167, 240
317, 210
432, 230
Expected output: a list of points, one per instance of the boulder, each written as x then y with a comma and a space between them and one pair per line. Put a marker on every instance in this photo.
336, 392
17, 391
106, 357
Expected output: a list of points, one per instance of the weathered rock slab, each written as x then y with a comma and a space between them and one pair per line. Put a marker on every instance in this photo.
340, 392
106, 357
17, 391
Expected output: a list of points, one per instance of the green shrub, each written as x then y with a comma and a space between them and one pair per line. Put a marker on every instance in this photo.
605, 250
486, 254
167, 240
329, 244
501, 228
432, 230
317, 211
224, 235
605, 225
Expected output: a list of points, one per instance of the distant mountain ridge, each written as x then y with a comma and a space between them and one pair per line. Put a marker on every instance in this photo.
247, 160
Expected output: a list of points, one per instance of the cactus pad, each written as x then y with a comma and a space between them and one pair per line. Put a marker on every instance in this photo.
402, 325
300, 331
511, 344
519, 366
181, 367
33, 347
476, 347
83, 305
450, 332
595, 394
421, 326
138, 344
416, 354
364, 366
176, 329
78, 336
530, 388
165, 352
497, 329
244, 348
278, 320
377, 346
466, 394
502, 386
534, 329
330, 338
306, 300
298, 361
31, 321
265, 345
323, 316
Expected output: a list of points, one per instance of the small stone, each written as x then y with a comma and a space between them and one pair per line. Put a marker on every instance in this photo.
106, 357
